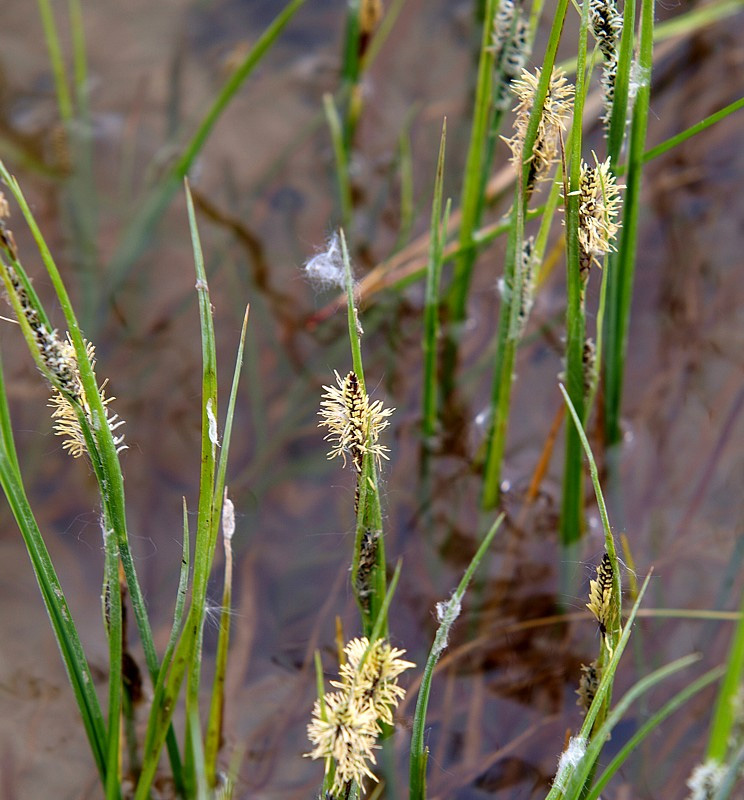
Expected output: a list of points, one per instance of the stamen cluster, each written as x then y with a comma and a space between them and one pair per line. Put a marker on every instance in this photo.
354, 424
600, 596
66, 419
556, 108
599, 205
347, 722
58, 357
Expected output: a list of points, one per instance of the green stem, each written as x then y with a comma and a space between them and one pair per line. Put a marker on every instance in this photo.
64, 101
572, 503
620, 289
431, 310
508, 335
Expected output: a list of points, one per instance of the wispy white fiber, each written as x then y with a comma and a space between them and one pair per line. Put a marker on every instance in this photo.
325, 270
228, 518
705, 779
447, 612
212, 423
569, 760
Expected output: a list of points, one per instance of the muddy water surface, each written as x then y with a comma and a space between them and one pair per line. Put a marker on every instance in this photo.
265, 191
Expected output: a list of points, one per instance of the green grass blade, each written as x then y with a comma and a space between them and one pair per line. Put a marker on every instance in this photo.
113, 620
187, 653
447, 613
731, 776
350, 64
609, 539
619, 112
80, 202
571, 522
79, 57
351, 71
579, 776
196, 746
139, 231
340, 154
183, 586
101, 445
620, 288
351, 314
693, 130
431, 308
165, 697
369, 511
63, 626
215, 717
648, 727
51, 35
65, 632
601, 695
100, 442
697, 18
470, 199
379, 629
509, 311
206, 522
219, 486
214, 726
723, 716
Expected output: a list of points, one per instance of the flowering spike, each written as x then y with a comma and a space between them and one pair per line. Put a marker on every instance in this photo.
607, 26
599, 204
510, 44
600, 596
556, 107
588, 685
57, 357
346, 723
343, 731
354, 424
66, 419
371, 674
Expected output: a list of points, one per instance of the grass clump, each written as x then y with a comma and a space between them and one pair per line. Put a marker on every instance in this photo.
358, 727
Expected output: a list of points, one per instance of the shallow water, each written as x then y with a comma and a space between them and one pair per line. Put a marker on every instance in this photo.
504, 697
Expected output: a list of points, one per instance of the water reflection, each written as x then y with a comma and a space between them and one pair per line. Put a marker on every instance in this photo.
504, 693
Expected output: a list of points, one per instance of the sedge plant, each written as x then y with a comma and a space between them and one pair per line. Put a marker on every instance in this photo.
84, 416
358, 713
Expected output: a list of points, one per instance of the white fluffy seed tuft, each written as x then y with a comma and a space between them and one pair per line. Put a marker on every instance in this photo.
569, 760
325, 270
447, 612
212, 424
228, 518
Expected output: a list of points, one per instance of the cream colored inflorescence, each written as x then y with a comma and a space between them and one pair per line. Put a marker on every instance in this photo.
599, 204
354, 424
600, 598
346, 722
67, 423
59, 358
556, 108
